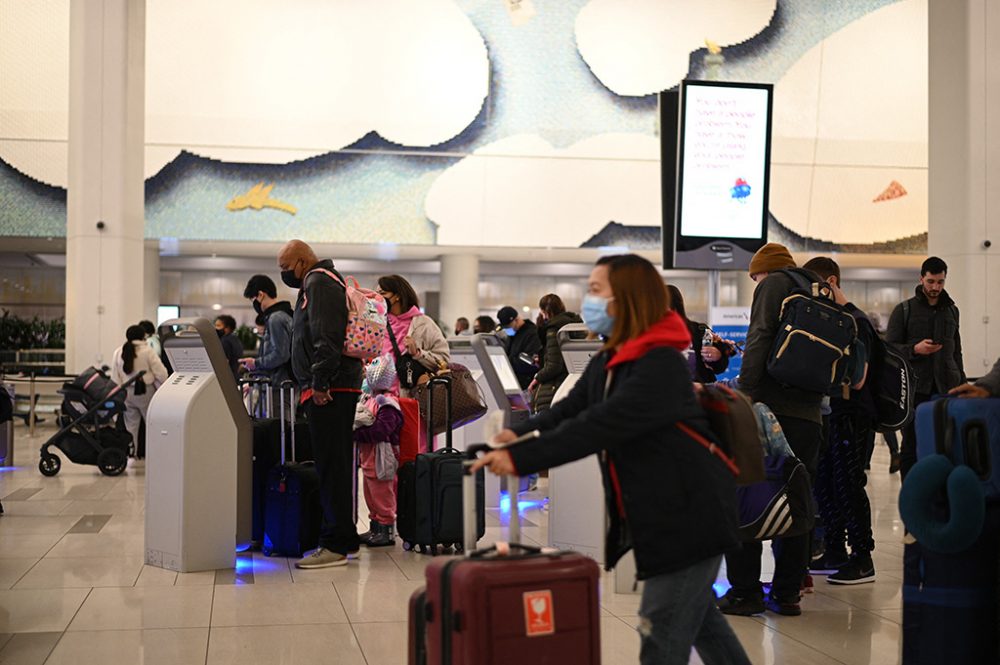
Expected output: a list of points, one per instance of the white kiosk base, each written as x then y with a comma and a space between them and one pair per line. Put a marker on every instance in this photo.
578, 512
192, 464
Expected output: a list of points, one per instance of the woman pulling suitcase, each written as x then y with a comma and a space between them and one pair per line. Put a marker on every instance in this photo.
669, 498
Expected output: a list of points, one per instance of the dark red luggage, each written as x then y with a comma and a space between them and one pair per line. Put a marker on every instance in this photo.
494, 607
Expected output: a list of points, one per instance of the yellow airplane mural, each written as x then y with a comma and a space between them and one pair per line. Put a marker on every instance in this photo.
259, 197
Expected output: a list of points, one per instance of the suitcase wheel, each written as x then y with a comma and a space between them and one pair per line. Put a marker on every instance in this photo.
459, 548
407, 546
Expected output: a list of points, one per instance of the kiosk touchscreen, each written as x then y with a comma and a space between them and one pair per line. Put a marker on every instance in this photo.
198, 456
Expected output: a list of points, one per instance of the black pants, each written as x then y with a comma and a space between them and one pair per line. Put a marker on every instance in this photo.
840, 485
908, 446
791, 555
331, 427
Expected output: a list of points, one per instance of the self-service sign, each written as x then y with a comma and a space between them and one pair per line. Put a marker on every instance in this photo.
539, 615
730, 323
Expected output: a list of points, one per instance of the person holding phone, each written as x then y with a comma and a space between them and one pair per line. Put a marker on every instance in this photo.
926, 328
668, 498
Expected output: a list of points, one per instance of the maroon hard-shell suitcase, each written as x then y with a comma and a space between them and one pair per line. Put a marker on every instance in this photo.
490, 607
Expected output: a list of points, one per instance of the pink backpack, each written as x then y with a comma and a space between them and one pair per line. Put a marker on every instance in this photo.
366, 318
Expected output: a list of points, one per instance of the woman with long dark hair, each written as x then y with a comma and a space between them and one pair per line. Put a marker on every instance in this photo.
668, 498
132, 357
552, 372
708, 361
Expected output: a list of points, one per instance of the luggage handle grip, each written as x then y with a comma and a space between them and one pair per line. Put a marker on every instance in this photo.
446, 382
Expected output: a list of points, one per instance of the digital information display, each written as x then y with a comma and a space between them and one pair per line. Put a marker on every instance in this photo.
724, 166
507, 377
716, 172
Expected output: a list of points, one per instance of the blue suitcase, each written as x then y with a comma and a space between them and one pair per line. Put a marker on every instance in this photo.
950, 601
967, 431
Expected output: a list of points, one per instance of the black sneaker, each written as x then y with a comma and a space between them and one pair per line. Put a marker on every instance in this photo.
739, 606
855, 572
831, 562
788, 608
894, 463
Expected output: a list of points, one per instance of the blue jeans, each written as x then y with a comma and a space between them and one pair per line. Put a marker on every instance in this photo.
678, 611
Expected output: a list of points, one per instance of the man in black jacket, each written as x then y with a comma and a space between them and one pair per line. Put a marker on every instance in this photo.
925, 328
798, 412
522, 339
330, 383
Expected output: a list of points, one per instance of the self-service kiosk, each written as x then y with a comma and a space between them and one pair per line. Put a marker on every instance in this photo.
487, 361
577, 508
198, 456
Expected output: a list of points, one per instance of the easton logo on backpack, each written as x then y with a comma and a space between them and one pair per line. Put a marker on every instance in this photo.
812, 349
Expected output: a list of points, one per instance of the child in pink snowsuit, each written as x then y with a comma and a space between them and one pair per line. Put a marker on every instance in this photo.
377, 424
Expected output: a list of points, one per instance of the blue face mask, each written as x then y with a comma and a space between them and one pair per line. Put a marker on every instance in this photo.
510, 332
595, 314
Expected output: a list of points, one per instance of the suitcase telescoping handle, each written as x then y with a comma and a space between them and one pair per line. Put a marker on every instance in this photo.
446, 382
469, 496
261, 407
287, 386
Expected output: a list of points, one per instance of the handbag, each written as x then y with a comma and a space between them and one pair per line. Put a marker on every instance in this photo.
467, 401
408, 369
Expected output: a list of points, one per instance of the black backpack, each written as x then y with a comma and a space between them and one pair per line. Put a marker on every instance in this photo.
890, 379
815, 335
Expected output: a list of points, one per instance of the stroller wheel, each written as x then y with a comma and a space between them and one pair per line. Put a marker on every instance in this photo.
49, 465
112, 461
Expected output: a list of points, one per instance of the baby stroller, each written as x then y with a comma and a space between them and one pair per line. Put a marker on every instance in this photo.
91, 428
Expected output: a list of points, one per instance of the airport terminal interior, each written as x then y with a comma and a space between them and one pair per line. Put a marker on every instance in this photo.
157, 154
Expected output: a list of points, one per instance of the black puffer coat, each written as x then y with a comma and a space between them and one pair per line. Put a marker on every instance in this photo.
553, 371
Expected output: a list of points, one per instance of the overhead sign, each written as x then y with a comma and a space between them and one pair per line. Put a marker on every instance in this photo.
716, 173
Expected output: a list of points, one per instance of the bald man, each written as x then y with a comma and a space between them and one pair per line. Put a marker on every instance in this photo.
330, 384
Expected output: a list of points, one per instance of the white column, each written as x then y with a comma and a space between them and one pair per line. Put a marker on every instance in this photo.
151, 282
459, 288
964, 161
104, 266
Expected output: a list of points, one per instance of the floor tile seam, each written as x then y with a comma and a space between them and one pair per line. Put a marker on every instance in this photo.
854, 605
767, 626
211, 616
66, 628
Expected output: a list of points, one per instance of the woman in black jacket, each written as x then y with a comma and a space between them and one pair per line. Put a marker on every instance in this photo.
552, 371
668, 497
709, 361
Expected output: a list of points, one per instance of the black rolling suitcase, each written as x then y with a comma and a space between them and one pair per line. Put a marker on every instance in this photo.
292, 510
429, 505
266, 439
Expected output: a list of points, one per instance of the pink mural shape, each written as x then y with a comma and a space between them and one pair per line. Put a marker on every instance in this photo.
893, 191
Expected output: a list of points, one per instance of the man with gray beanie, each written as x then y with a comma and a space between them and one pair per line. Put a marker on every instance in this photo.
798, 412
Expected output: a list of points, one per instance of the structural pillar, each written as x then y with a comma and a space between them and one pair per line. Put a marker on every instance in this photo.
964, 164
151, 282
459, 288
105, 225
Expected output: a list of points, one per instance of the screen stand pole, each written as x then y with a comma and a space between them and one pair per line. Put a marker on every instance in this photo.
714, 286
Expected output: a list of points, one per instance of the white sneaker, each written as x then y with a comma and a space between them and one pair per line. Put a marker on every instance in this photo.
321, 558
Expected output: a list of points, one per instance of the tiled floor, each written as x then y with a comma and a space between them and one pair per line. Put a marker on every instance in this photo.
73, 589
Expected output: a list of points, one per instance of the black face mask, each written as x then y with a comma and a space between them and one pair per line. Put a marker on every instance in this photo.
220, 333
257, 307
290, 280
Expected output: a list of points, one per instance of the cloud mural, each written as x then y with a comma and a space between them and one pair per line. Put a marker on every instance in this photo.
294, 79
521, 191
640, 47
850, 117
